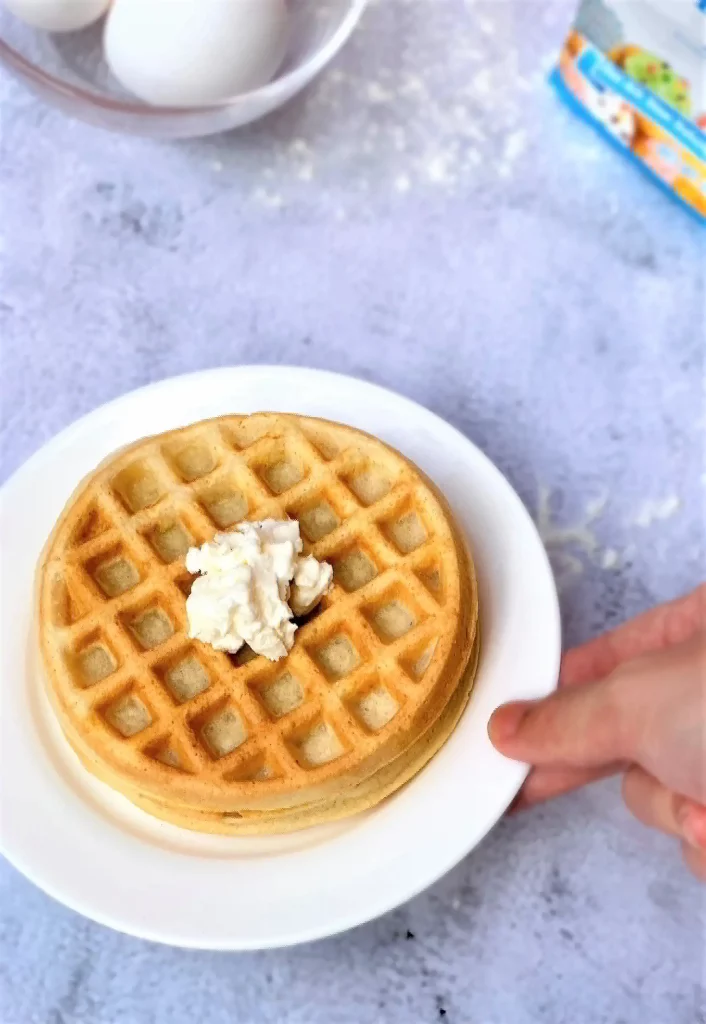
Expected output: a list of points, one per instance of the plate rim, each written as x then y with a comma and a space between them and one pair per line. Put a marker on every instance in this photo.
65, 437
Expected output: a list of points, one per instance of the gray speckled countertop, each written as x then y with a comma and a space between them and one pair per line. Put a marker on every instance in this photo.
429, 217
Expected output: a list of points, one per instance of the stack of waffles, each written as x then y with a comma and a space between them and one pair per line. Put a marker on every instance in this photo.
379, 673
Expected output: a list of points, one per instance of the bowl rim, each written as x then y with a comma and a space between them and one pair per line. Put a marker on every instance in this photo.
317, 61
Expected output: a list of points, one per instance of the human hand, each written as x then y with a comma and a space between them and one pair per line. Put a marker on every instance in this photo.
633, 700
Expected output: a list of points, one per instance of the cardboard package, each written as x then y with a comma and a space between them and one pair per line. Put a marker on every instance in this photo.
637, 70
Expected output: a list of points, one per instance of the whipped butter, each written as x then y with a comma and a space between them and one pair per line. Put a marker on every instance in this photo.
252, 582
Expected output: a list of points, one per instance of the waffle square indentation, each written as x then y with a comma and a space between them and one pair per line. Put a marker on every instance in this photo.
114, 572
183, 676
281, 695
191, 460
354, 569
317, 744
406, 531
224, 503
375, 707
317, 520
220, 729
127, 714
137, 486
170, 539
95, 663
149, 626
369, 484
337, 656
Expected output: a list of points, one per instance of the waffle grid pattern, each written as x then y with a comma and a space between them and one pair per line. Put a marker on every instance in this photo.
117, 586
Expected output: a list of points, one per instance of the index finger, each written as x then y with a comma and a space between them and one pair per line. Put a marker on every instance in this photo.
661, 627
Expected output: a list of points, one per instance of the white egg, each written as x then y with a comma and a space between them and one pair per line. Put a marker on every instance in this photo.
191, 52
58, 15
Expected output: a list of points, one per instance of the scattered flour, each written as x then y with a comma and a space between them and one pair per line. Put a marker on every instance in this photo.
486, 26
377, 94
596, 507
440, 109
438, 169
270, 199
652, 511
610, 559
573, 548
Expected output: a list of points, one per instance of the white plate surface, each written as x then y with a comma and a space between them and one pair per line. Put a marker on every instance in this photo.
91, 849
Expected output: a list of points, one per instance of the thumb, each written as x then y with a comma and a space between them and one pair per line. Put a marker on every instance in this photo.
586, 726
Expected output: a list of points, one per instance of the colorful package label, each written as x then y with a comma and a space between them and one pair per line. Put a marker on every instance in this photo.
637, 70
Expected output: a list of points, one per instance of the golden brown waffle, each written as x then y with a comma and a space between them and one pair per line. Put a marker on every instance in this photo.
353, 800
366, 795
370, 672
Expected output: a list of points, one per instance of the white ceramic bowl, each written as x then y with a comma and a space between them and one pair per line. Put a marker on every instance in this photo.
68, 71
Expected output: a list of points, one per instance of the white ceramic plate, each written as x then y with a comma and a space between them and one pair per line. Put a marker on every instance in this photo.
91, 849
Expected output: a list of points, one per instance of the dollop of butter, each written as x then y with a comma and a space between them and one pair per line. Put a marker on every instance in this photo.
252, 582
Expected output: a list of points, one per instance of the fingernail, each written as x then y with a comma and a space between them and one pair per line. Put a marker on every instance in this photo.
506, 721
692, 821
